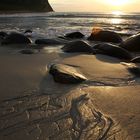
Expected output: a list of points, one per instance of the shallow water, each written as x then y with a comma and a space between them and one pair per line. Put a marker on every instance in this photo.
54, 24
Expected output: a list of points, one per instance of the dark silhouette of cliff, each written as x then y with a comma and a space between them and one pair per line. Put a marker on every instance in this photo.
25, 5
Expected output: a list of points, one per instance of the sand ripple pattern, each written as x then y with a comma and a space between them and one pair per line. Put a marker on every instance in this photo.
67, 117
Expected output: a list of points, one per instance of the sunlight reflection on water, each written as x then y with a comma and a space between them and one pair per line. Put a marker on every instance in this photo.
116, 21
49, 25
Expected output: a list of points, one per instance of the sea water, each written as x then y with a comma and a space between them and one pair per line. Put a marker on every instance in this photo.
53, 24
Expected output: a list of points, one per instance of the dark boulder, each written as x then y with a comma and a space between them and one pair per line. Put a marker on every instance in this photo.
77, 46
16, 38
112, 50
136, 60
74, 35
105, 36
66, 74
132, 43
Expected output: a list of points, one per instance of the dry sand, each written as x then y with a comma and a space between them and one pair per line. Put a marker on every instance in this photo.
33, 106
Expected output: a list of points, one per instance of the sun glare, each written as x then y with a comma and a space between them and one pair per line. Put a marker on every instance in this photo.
117, 2
117, 13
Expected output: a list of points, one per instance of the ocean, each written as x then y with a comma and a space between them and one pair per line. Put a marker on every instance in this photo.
54, 24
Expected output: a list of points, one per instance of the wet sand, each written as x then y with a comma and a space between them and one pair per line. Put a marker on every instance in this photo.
33, 106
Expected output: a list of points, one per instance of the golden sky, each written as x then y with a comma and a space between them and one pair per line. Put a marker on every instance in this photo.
95, 5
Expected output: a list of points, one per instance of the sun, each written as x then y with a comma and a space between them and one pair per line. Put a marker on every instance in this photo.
117, 2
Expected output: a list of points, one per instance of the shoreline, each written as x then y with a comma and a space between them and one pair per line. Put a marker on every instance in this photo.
76, 86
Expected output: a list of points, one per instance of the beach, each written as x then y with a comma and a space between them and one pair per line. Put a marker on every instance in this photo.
30, 97
36, 105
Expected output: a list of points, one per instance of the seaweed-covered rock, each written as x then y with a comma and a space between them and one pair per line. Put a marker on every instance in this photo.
66, 74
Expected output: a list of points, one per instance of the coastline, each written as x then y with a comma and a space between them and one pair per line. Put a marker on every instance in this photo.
36, 105
22, 12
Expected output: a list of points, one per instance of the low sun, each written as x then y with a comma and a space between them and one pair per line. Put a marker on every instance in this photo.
117, 2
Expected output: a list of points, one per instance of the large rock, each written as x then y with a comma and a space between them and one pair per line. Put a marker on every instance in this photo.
105, 36
74, 35
77, 46
16, 38
112, 50
132, 43
66, 74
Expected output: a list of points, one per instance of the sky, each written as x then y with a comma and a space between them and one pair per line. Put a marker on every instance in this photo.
95, 5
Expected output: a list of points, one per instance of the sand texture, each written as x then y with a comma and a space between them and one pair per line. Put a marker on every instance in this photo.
34, 107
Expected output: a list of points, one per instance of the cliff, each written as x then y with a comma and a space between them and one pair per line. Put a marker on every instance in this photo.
25, 5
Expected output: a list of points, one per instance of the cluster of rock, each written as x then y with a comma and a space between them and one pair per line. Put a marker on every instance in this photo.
107, 43
121, 50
